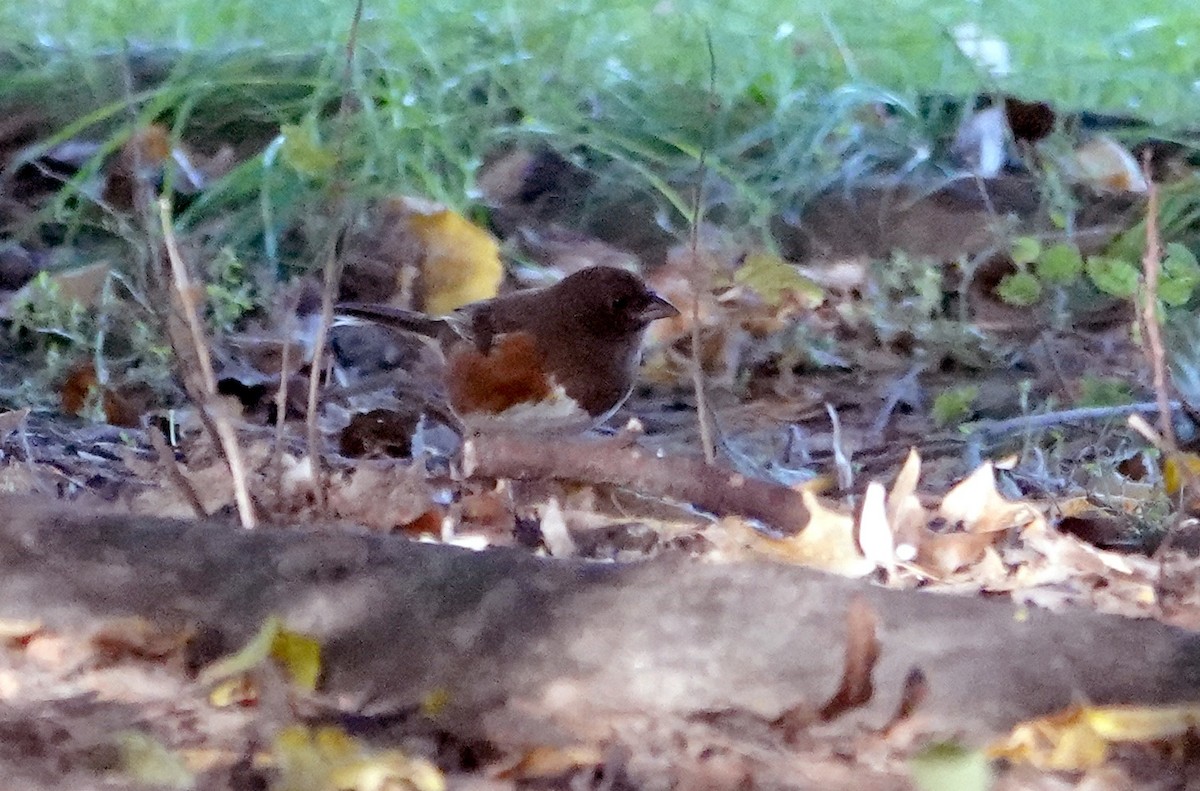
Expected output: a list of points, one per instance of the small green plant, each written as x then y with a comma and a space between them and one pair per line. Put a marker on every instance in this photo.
954, 406
1099, 391
44, 312
230, 294
1062, 265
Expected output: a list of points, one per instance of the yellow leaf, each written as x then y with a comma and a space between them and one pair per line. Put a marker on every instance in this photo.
236, 691
775, 279
328, 758
300, 656
1143, 723
950, 767
1078, 738
462, 260
303, 150
1060, 742
250, 656
1173, 470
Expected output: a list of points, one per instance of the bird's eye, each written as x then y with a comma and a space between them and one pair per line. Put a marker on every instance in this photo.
618, 304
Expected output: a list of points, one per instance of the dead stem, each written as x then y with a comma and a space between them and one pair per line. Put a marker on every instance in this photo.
1152, 329
166, 460
1151, 324
207, 391
281, 395
699, 278
330, 269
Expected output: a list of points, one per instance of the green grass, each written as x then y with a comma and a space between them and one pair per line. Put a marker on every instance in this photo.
614, 82
1142, 55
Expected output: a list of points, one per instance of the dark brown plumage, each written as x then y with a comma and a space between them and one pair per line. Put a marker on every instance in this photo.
561, 358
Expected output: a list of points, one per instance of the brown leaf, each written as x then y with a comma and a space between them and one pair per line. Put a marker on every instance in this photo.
862, 652
546, 763
828, 542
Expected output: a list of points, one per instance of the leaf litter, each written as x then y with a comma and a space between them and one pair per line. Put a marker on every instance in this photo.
783, 346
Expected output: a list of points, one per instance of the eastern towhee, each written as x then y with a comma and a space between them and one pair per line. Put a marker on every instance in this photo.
549, 360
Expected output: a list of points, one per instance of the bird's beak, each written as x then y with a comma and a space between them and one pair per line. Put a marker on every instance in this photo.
657, 308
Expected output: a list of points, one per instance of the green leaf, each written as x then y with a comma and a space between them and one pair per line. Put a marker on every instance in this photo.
954, 406
1180, 275
1114, 276
1061, 264
1020, 288
1179, 256
1025, 250
950, 767
303, 152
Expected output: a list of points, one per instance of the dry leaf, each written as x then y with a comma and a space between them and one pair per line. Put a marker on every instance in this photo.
862, 653
1079, 738
554, 531
828, 542
547, 763
83, 284
905, 485
874, 532
12, 420
943, 554
1105, 165
976, 506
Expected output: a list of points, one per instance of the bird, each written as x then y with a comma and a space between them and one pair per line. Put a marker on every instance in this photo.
553, 360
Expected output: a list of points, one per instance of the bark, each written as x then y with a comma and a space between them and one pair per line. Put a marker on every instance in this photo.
713, 489
530, 651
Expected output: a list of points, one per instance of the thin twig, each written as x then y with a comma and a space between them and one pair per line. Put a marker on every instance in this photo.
166, 459
841, 459
208, 381
281, 395
1152, 329
699, 276
1151, 326
1046, 420
331, 268
281, 407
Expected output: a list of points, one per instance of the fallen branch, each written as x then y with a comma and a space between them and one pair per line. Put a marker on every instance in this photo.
712, 489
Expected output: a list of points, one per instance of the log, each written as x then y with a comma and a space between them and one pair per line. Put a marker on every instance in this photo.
526, 650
